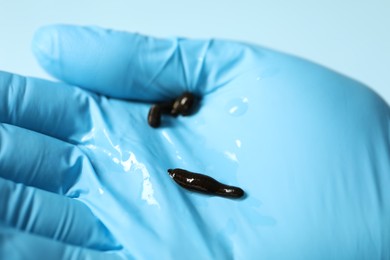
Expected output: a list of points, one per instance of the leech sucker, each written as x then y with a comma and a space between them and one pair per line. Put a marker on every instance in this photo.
204, 184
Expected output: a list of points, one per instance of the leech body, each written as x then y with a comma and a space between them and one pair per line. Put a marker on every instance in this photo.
204, 184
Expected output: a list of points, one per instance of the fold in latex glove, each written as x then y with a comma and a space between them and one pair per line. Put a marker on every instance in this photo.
309, 147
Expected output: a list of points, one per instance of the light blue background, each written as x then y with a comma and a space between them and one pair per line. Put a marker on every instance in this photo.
352, 36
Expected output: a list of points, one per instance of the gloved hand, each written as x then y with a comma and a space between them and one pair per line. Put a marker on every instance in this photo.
83, 174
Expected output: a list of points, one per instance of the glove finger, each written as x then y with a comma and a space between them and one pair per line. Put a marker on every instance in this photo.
42, 161
47, 107
15, 244
53, 216
133, 66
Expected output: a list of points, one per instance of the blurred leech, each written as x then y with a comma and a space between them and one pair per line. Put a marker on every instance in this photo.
183, 105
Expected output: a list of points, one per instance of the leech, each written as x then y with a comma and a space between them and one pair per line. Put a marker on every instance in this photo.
204, 184
182, 105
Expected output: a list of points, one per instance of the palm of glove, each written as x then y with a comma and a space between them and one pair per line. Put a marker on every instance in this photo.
272, 124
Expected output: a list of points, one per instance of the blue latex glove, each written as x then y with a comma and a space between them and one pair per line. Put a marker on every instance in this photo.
82, 173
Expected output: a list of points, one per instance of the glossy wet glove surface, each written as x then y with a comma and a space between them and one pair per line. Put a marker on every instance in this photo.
83, 173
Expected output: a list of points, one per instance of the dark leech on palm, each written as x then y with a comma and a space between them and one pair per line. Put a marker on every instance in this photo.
204, 184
